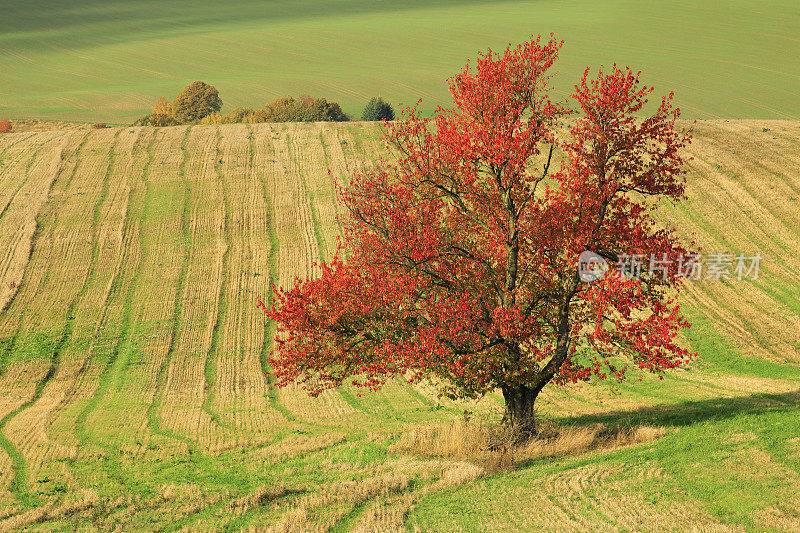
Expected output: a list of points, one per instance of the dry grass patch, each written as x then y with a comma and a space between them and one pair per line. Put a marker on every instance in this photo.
259, 497
33, 124
296, 445
491, 445
321, 511
785, 517
85, 501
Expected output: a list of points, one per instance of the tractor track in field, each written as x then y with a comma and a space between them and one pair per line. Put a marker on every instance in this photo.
19, 465
38, 229
11, 198
112, 293
16, 142
272, 268
124, 333
322, 250
319, 235
222, 304
153, 409
118, 361
8, 349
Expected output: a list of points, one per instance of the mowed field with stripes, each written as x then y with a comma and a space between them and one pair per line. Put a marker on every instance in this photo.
136, 393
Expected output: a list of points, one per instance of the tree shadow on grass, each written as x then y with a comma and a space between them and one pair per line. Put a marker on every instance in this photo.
688, 413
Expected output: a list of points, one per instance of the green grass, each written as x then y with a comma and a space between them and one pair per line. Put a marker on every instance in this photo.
111, 61
710, 456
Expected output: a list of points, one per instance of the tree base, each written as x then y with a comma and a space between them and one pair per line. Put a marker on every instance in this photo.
520, 416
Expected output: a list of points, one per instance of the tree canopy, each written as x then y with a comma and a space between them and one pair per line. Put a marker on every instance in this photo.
196, 101
460, 259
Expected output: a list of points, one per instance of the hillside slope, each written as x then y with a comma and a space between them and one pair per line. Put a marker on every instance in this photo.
135, 387
110, 61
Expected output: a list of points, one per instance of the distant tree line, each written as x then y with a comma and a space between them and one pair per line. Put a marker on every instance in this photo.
200, 103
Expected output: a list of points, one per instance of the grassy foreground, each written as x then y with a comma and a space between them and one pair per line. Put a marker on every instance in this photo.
110, 61
135, 390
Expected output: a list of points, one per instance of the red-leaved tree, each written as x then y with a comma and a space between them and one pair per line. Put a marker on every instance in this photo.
459, 261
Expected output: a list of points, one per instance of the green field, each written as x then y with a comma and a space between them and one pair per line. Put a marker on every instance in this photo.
135, 391
110, 61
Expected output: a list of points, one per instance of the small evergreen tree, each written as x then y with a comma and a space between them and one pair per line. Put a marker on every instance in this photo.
377, 109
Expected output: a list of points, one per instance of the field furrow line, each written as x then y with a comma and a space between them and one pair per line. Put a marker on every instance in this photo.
333, 140
304, 153
242, 391
15, 138
742, 217
223, 305
21, 381
15, 175
84, 347
262, 156
117, 424
31, 223
755, 214
295, 230
293, 200
20, 480
18, 228
92, 335
65, 371
154, 409
128, 271
740, 235
335, 170
186, 377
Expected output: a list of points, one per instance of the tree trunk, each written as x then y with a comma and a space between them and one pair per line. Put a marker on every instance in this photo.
520, 415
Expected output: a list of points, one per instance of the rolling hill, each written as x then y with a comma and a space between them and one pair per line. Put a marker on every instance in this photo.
110, 61
135, 388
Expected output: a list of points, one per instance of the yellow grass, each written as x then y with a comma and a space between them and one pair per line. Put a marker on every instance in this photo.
493, 446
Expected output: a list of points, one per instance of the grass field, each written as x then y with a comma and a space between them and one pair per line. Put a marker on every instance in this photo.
135, 390
110, 61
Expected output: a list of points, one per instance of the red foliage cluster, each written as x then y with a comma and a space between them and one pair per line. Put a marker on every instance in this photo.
5, 126
461, 256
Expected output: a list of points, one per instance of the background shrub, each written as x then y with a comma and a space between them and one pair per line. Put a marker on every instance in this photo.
196, 101
157, 120
5, 126
200, 103
377, 109
213, 118
321, 110
305, 109
162, 120
239, 115
162, 107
